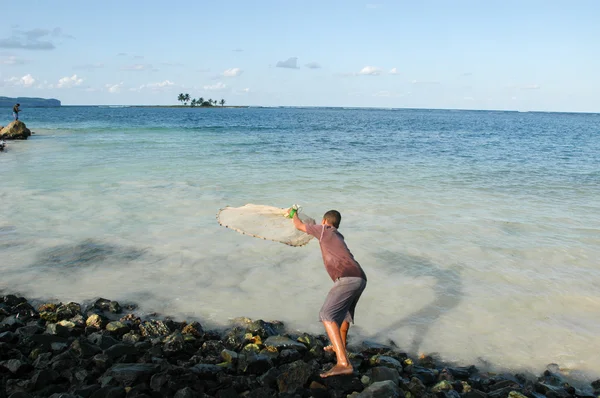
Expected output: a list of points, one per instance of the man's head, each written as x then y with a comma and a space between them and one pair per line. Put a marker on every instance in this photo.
18, 104
333, 218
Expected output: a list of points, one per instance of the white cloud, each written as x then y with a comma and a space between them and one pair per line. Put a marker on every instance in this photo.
394, 71
290, 63
242, 91
25, 81
113, 88
68, 82
159, 86
370, 70
232, 72
312, 65
469, 99
12, 60
216, 87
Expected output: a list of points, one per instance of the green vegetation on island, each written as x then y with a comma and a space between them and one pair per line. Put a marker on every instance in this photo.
29, 102
185, 98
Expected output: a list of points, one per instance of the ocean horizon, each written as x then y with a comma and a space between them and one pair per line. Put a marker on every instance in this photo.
479, 230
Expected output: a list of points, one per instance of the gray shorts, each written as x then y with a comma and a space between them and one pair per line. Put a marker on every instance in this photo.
341, 301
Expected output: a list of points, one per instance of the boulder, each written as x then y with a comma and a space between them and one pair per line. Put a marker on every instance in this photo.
382, 389
16, 130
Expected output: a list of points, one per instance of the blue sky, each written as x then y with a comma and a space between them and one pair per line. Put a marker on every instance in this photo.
480, 54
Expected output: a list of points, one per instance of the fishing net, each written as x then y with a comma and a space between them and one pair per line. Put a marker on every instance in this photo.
265, 222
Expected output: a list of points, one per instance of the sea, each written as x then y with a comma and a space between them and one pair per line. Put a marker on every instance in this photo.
479, 231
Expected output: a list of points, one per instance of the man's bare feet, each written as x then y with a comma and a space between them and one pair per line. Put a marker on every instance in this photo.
329, 348
338, 370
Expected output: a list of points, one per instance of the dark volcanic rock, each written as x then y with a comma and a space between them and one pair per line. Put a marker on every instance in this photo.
130, 374
382, 389
282, 342
293, 376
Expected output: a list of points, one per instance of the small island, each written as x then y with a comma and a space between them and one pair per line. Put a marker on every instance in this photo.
30, 102
201, 102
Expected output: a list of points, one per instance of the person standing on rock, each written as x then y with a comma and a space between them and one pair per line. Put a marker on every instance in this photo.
16, 111
349, 283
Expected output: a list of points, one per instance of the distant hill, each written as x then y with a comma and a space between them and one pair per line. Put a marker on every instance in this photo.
29, 102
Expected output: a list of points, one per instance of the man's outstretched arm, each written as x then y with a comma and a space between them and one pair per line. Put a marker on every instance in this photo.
298, 223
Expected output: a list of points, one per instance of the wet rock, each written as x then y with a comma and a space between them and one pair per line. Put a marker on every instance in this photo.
269, 378
12, 300
288, 356
107, 305
57, 330
42, 378
443, 385
102, 341
206, 371
502, 392
416, 387
131, 338
154, 328
497, 385
96, 321
426, 375
11, 323
387, 361
382, 389
84, 348
109, 392
173, 343
47, 341
129, 374
117, 328
102, 361
8, 337
383, 373
29, 330
262, 392
186, 392
42, 361
16, 367
462, 373
343, 384
282, 342
119, 350
293, 376
67, 311
550, 391
194, 328
371, 348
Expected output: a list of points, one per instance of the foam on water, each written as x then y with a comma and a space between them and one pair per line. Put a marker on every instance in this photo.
479, 232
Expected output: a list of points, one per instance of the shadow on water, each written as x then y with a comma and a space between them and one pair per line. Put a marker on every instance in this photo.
448, 291
88, 253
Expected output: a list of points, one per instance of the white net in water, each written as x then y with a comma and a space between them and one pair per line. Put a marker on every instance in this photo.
265, 222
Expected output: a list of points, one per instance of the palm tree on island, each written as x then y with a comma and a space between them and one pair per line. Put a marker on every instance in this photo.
201, 102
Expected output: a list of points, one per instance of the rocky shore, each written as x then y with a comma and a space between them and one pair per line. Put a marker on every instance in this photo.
102, 349
16, 130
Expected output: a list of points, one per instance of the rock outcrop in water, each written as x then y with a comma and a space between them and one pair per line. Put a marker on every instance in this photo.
95, 351
16, 130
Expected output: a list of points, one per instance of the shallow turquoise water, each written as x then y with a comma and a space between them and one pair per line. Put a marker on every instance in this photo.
479, 231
